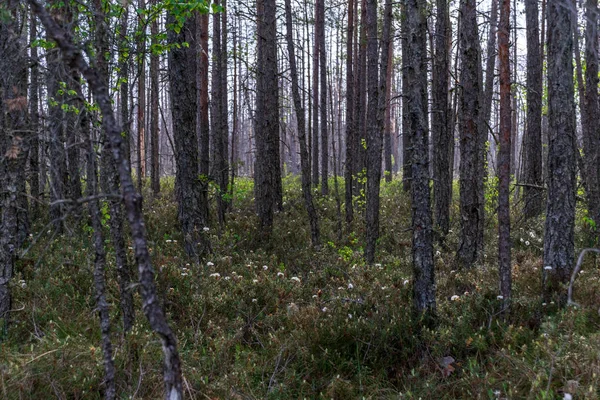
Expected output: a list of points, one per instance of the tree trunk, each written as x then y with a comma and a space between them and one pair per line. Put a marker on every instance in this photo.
374, 133
591, 131
154, 94
350, 118
323, 100
204, 123
34, 113
532, 168
305, 167
504, 157
560, 210
422, 225
471, 184
182, 71
315, 116
267, 178
442, 130
407, 140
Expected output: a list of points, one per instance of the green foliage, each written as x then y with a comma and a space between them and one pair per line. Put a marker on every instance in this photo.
285, 321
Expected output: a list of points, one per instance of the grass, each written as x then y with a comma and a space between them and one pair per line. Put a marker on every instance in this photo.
288, 322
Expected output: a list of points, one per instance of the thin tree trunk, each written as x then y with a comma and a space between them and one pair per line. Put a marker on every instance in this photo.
34, 112
504, 157
204, 123
141, 108
323, 100
532, 168
350, 125
305, 167
315, 100
154, 94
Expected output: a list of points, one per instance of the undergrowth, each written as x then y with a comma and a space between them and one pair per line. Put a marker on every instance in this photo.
285, 321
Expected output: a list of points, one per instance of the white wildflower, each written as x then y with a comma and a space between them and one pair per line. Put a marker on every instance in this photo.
324, 309
405, 282
349, 316
500, 297
227, 278
280, 274
455, 297
378, 265
548, 267
254, 280
295, 279
350, 286
255, 300
206, 229
527, 243
210, 264
265, 267
215, 275
23, 284
438, 253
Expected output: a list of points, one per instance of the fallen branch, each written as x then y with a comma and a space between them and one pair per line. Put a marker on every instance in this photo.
570, 301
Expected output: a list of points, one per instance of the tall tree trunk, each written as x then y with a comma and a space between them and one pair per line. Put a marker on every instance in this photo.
150, 302
560, 210
442, 130
34, 113
204, 123
124, 64
323, 100
422, 225
591, 131
305, 167
224, 170
387, 123
267, 178
532, 168
471, 184
374, 134
182, 71
350, 117
407, 140
141, 107
154, 95
315, 100
504, 156
13, 145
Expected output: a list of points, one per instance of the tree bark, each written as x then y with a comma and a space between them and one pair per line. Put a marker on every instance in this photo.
532, 168
422, 224
374, 134
442, 132
154, 95
560, 209
323, 100
504, 157
350, 117
471, 163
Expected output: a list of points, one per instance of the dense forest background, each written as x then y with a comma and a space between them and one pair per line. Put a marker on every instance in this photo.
318, 199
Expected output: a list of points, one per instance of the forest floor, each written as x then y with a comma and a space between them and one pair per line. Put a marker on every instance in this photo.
286, 321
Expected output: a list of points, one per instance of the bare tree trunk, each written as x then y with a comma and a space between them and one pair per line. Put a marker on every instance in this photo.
204, 123
350, 117
387, 123
323, 100
374, 134
315, 100
442, 130
154, 93
422, 224
141, 107
560, 210
532, 168
182, 71
34, 113
267, 178
504, 157
589, 115
305, 167
407, 140
151, 304
471, 184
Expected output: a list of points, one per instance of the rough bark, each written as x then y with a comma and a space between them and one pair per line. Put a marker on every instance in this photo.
532, 168
504, 157
141, 106
374, 134
422, 224
589, 115
182, 71
305, 166
323, 99
154, 93
34, 114
350, 125
407, 140
471, 163
133, 202
204, 124
267, 179
315, 99
560, 209
442, 132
